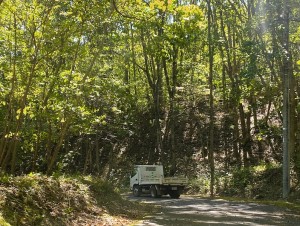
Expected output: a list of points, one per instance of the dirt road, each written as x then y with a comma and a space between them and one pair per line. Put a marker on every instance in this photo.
188, 211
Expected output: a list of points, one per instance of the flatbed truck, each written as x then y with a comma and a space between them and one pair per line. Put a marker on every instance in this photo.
149, 179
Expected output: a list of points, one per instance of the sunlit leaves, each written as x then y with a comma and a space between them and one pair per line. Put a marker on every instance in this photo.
48, 66
84, 64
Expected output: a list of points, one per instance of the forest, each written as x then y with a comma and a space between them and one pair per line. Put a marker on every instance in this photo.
95, 87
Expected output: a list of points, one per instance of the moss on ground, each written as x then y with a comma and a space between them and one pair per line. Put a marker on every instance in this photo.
36, 199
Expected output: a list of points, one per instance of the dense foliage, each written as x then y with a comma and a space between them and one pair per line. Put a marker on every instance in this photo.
95, 86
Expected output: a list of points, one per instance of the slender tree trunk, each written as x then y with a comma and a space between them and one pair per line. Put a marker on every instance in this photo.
171, 86
234, 93
211, 100
246, 141
21, 115
97, 150
256, 126
297, 144
153, 67
54, 155
157, 107
244, 133
286, 102
37, 146
127, 63
134, 62
10, 115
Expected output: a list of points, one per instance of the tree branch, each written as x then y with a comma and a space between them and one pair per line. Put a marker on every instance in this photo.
113, 2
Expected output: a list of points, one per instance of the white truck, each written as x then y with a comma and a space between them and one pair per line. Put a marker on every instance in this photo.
150, 179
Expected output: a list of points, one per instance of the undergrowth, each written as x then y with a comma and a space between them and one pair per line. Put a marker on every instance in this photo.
260, 184
257, 182
37, 199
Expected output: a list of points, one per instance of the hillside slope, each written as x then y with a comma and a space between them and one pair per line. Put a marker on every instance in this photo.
36, 199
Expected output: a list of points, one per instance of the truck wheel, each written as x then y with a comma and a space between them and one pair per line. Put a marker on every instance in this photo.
136, 190
153, 192
174, 194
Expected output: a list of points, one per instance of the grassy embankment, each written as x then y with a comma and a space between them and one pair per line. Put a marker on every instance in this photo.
36, 199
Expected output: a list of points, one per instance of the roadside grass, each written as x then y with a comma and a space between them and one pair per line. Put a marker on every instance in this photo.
36, 199
107, 197
279, 203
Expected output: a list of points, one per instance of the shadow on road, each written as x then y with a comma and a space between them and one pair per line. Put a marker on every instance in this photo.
199, 211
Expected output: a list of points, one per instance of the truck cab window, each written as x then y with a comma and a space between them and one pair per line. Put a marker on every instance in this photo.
149, 168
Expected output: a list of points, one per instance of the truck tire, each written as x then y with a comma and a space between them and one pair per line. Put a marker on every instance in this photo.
154, 193
136, 190
174, 194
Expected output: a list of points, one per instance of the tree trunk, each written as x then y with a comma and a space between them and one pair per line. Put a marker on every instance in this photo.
286, 75
211, 100
234, 92
54, 155
153, 67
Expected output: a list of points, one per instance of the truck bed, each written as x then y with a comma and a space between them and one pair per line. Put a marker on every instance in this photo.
175, 181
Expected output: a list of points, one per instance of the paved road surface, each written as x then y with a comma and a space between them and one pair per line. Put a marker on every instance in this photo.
189, 211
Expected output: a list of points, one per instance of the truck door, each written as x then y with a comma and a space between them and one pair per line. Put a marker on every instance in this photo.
134, 177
